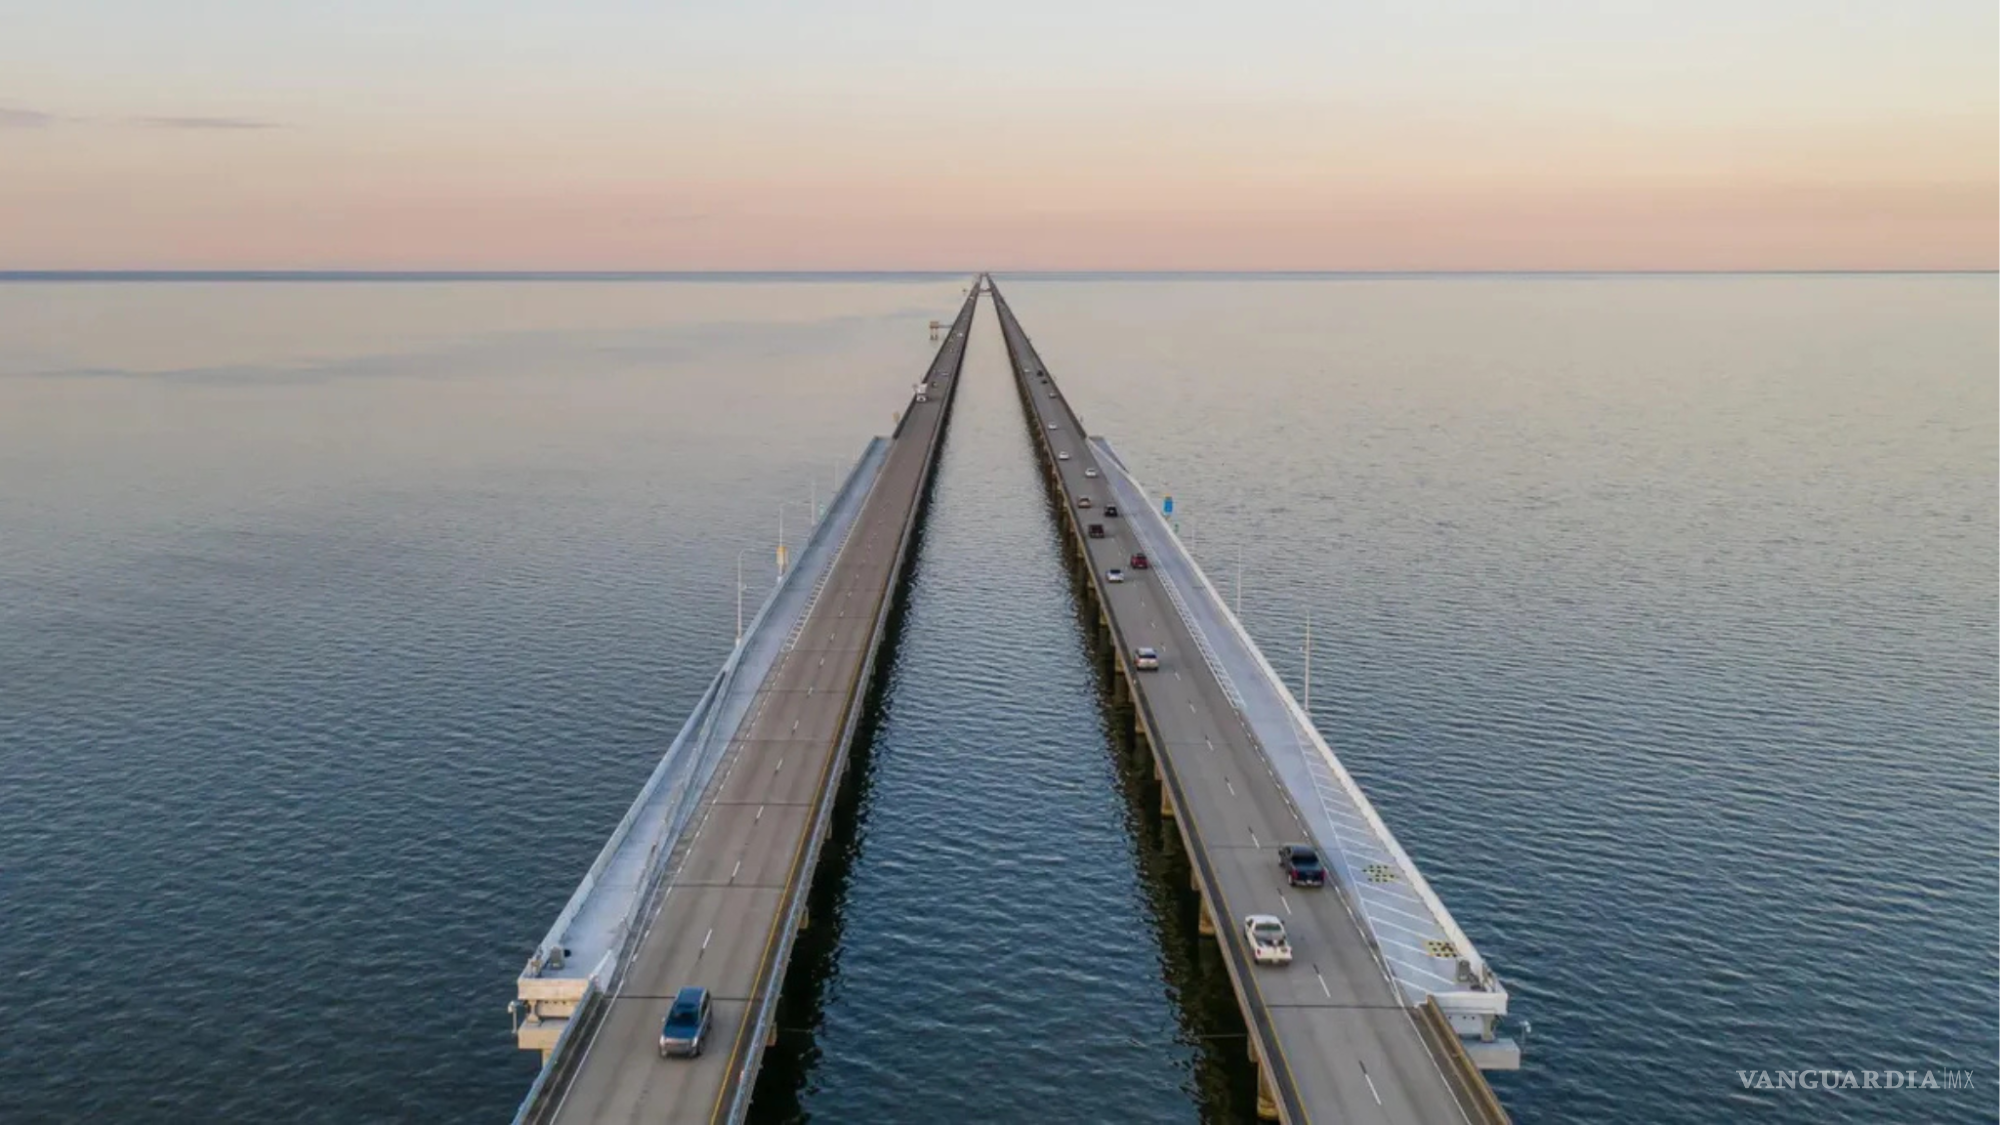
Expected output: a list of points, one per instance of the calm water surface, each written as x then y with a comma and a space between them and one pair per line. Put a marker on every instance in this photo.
340, 622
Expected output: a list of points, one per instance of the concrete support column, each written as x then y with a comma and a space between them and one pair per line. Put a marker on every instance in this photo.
1166, 803
1267, 1098
1205, 926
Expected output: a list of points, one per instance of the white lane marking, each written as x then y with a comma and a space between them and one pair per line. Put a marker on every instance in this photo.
1177, 675
1211, 745
759, 816
739, 867
706, 937
779, 766
1328, 991
795, 726
1254, 841
1288, 910
1371, 1084
1190, 704
1232, 788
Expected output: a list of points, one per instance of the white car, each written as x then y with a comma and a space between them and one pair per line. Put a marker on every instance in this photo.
1267, 940
1114, 575
1146, 660
1091, 473
1053, 426
1062, 456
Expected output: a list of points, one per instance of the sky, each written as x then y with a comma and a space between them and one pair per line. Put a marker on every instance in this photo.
1004, 135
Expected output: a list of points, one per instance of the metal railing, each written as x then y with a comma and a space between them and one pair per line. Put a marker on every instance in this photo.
1208, 656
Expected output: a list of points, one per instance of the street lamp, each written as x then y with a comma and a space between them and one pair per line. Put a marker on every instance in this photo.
1239, 579
1309, 664
739, 596
782, 505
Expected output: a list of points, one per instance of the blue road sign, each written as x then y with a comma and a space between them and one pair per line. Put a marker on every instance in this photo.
1167, 508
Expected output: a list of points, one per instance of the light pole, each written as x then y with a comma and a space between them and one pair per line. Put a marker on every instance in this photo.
1309, 663
1239, 579
739, 596
782, 505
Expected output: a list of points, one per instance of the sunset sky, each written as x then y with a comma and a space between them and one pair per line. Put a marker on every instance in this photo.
1008, 134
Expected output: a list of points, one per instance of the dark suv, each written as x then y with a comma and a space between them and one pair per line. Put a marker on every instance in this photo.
1302, 865
686, 1025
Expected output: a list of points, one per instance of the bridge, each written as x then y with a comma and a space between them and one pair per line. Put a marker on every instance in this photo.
1369, 1022
705, 881
1387, 1013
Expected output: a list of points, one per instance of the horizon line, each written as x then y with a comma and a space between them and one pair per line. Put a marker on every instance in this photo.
364, 274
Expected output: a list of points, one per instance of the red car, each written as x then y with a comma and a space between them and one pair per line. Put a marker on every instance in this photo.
1139, 561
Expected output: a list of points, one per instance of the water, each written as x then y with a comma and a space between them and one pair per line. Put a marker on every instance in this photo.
340, 622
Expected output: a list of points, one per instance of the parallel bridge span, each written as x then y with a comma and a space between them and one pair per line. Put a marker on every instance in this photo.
706, 879
1373, 1020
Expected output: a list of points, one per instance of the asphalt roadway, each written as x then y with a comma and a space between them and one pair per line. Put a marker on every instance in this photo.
1344, 1047
719, 918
